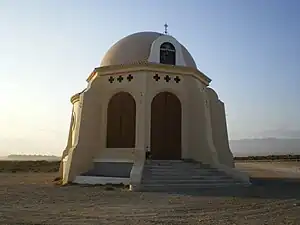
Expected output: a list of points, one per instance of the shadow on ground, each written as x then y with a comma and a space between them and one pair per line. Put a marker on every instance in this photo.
268, 188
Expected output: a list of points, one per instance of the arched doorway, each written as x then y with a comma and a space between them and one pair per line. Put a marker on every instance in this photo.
166, 127
121, 115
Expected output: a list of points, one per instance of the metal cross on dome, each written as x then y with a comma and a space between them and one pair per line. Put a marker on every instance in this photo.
166, 28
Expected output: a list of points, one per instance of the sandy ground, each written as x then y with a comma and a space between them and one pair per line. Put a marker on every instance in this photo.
31, 198
271, 169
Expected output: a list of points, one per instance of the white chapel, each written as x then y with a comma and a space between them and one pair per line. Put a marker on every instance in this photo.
146, 117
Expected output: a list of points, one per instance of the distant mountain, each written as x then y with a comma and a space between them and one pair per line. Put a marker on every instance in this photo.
281, 133
32, 157
28, 146
266, 146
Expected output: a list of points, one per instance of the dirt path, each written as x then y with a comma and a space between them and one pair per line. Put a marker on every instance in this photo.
33, 199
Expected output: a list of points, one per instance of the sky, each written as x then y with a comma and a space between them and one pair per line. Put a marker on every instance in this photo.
250, 50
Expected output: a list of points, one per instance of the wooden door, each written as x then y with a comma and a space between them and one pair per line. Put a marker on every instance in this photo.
166, 127
121, 115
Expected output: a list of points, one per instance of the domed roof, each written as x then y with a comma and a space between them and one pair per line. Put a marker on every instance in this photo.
135, 49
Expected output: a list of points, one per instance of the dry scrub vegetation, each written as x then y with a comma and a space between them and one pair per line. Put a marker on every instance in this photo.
53, 166
29, 166
269, 158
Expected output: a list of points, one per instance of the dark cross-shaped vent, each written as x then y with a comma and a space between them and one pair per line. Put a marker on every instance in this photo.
120, 78
129, 77
111, 79
167, 78
156, 77
177, 79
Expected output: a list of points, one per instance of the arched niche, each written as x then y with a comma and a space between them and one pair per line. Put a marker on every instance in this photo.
121, 121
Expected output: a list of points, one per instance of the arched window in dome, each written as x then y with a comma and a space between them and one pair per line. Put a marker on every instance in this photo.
167, 54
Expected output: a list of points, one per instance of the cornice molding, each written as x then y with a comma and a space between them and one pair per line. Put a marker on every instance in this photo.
75, 98
146, 66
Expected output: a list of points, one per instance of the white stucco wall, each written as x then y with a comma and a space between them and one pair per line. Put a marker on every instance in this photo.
89, 137
196, 132
76, 121
106, 90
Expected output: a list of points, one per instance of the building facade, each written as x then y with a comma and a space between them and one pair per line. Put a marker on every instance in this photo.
147, 96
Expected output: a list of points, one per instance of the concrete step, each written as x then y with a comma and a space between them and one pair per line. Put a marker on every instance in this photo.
183, 169
200, 178
182, 173
179, 175
180, 168
152, 162
190, 185
188, 182
174, 163
180, 164
196, 187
